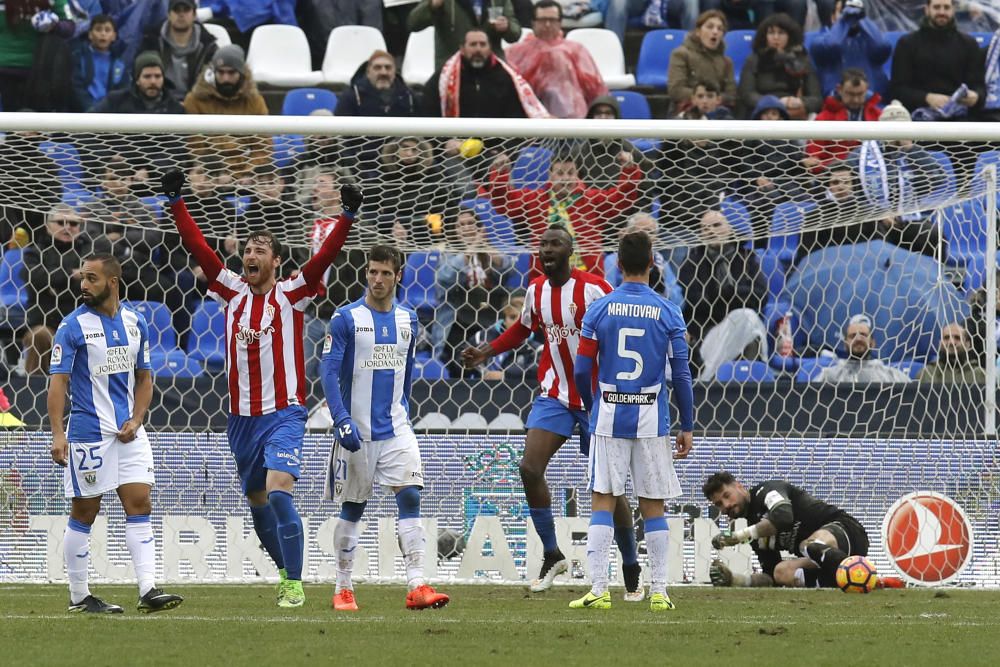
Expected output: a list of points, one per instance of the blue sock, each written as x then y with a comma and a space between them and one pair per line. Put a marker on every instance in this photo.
265, 524
545, 526
625, 539
408, 502
352, 511
289, 532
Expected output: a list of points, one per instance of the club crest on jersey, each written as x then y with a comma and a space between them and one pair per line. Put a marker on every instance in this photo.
114, 334
404, 334
133, 332
268, 310
385, 331
572, 309
90, 478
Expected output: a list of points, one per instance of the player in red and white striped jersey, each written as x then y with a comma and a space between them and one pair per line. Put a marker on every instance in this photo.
265, 361
554, 306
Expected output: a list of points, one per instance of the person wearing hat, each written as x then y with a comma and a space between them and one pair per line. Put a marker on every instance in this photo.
183, 44
226, 86
147, 94
861, 364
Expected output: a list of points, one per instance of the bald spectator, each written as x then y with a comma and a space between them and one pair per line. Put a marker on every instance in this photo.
662, 278
377, 89
956, 363
562, 73
452, 19
861, 364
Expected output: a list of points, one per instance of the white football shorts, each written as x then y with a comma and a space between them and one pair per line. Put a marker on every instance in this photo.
350, 476
649, 460
98, 467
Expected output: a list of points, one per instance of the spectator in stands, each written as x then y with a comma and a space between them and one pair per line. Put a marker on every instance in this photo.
724, 291
662, 13
705, 103
975, 323
414, 193
598, 159
97, 65
861, 365
469, 286
227, 87
662, 278
738, 12
852, 100
453, 19
513, 365
562, 73
933, 62
184, 46
22, 26
272, 207
853, 42
780, 66
956, 362
22, 161
377, 89
52, 273
115, 201
836, 203
147, 94
480, 85
566, 199
701, 59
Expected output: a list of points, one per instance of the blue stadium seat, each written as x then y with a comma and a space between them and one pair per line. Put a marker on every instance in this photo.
635, 106
519, 274
744, 371
13, 290
299, 102
499, 228
982, 38
70, 171
739, 46
738, 216
419, 281
964, 227
164, 357
908, 366
810, 367
950, 187
786, 223
987, 158
774, 271
531, 168
206, 342
654, 57
429, 369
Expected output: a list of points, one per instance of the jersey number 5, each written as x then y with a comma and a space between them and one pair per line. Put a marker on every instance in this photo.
625, 353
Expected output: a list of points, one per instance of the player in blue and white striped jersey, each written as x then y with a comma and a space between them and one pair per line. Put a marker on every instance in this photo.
638, 340
367, 369
101, 355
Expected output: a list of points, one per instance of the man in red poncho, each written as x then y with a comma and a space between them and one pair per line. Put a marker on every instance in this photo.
565, 199
562, 73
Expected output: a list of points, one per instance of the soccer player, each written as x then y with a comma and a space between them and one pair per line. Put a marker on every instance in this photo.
101, 355
555, 305
637, 338
367, 368
265, 361
783, 517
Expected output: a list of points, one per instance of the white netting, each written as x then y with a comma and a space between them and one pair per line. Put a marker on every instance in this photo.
770, 253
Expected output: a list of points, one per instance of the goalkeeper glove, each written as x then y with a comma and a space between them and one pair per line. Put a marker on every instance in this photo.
720, 574
171, 184
351, 198
347, 435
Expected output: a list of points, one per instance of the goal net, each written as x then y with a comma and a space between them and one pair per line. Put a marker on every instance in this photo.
837, 279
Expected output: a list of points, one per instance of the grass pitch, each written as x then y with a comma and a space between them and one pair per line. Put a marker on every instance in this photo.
502, 625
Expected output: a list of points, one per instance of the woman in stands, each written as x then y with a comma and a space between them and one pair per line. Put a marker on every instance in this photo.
701, 59
780, 66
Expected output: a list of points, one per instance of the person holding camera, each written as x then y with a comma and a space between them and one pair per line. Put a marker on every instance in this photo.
780, 66
853, 41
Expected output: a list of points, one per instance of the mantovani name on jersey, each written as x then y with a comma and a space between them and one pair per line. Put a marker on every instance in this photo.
619, 309
117, 361
622, 398
385, 356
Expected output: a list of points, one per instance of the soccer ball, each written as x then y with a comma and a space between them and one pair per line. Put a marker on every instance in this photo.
856, 574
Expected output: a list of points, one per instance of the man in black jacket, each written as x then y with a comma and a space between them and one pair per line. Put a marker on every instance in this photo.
932, 62
183, 45
486, 90
377, 90
148, 94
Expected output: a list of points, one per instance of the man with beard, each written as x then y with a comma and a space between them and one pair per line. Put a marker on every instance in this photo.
860, 364
782, 517
955, 364
555, 305
932, 62
837, 202
146, 95
453, 19
377, 90
477, 84
183, 45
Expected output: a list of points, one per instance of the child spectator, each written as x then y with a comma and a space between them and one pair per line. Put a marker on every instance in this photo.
98, 67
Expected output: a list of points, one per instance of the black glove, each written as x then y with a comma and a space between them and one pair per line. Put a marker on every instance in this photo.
351, 198
171, 184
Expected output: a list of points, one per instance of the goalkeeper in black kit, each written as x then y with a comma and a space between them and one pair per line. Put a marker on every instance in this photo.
783, 517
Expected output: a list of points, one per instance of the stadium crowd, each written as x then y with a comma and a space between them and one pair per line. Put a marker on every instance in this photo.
472, 212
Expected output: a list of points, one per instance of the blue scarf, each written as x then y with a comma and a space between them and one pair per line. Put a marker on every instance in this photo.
993, 72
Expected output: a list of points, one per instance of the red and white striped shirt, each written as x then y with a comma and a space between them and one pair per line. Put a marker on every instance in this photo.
557, 313
265, 354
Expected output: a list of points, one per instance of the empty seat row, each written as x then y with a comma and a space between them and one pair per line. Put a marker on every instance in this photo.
809, 369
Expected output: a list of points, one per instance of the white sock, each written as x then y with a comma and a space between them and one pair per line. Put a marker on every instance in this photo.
656, 548
76, 552
142, 548
412, 544
345, 541
599, 539
800, 578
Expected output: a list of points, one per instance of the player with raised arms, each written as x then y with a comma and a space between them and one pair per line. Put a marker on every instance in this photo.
367, 369
637, 339
101, 355
265, 361
555, 305
784, 517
